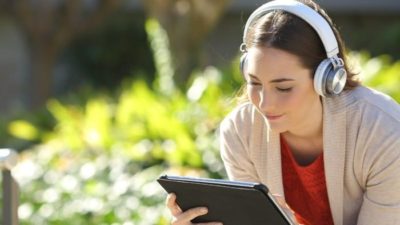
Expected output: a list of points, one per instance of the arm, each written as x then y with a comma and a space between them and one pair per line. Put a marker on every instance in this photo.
381, 200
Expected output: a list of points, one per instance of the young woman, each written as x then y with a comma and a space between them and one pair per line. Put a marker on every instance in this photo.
310, 131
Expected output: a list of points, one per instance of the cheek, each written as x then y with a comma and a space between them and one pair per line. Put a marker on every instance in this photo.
289, 102
294, 101
299, 101
253, 95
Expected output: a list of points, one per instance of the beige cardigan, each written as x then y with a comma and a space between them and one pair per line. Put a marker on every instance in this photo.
361, 139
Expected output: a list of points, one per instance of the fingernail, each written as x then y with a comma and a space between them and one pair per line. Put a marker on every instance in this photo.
204, 210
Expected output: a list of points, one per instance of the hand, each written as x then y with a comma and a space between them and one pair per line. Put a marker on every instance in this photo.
183, 218
286, 208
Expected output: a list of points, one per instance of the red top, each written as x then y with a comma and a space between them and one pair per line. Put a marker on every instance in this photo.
305, 189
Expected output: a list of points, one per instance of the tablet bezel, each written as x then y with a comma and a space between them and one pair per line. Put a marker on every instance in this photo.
224, 184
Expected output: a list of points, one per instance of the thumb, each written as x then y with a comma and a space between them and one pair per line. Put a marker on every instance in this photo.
285, 207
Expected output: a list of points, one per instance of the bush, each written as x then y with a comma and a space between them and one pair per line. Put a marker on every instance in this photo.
380, 73
99, 154
99, 163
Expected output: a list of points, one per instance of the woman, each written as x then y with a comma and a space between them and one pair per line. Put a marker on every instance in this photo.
310, 131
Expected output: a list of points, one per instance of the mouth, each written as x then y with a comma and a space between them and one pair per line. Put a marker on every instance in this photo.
273, 117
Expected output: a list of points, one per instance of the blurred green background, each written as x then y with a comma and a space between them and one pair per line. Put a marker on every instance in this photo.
102, 97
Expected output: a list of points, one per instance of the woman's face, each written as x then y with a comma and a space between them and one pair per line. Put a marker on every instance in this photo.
282, 89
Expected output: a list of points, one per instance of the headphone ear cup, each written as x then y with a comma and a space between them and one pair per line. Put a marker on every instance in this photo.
243, 64
320, 77
336, 80
329, 81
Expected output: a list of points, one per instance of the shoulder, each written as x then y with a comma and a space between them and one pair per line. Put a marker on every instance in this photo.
365, 105
371, 118
373, 101
375, 117
376, 109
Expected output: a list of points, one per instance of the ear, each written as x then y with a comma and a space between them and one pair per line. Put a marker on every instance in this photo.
243, 64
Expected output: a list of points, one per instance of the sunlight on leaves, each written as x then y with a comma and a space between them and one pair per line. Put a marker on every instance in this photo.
23, 129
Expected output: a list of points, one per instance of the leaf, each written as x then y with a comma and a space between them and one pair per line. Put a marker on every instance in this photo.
23, 129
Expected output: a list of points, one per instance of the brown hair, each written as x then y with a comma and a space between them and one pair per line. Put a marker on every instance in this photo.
285, 31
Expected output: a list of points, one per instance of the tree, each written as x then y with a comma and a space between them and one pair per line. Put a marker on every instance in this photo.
50, 26
187, 24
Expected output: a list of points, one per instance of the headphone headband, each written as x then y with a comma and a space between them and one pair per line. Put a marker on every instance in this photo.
306, 13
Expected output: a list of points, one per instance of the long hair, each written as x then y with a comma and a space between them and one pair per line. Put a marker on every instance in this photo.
285, 31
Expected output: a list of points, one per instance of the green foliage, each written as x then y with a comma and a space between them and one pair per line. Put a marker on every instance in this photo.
99, 163
63, 188
159, 43
380, 73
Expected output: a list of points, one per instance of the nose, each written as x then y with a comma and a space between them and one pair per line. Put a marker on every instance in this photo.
266, 103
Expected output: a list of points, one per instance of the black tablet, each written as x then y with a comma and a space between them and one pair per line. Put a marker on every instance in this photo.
229, 202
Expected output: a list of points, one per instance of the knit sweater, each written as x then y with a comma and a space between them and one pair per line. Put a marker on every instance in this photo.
305, 188
361, 144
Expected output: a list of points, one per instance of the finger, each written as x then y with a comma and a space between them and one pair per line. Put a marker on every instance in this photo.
286, 208
171, 197
290, 213
190, 214
280, 199
172, 206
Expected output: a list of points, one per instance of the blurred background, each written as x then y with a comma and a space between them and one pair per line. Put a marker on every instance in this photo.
101, 97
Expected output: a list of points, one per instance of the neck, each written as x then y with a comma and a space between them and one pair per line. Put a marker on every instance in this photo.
305, 148
304, 143
311, 127
309, 133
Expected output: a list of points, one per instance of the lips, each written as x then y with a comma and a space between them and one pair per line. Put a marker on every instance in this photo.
273, 117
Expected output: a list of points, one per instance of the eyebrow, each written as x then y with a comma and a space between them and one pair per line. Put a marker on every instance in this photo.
273, 81
281, 80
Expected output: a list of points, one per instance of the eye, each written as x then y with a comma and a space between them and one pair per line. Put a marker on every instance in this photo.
284, 89
253, 83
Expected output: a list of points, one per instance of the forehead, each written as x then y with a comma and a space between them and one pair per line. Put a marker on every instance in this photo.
273, 62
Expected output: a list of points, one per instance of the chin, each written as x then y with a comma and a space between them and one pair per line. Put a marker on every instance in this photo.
276, 127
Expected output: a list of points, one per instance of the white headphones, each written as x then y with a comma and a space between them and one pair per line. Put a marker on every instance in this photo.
330, 76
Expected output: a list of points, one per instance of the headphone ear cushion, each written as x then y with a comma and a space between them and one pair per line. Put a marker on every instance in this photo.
320, 77
243, 64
